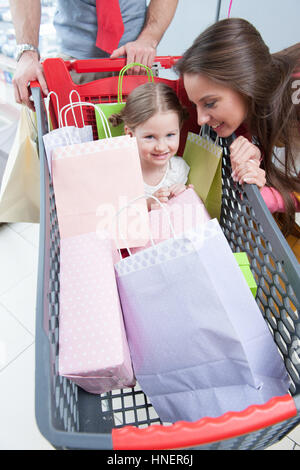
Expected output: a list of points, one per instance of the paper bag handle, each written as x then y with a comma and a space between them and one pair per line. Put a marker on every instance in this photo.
130, 204
121, 77
103, 118
47, 105
71, 102
206, 136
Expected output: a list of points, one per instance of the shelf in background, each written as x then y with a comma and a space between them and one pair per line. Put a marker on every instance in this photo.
8, 106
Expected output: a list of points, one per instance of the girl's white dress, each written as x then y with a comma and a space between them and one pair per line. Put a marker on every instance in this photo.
177, 172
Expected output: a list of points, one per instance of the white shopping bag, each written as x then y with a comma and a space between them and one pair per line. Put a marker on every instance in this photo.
64, 135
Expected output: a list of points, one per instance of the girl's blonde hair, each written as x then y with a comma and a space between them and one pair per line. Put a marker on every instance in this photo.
145, 101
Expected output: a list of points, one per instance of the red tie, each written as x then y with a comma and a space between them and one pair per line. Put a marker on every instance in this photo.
110, 25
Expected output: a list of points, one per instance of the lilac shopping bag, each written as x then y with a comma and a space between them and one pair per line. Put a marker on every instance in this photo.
199, 344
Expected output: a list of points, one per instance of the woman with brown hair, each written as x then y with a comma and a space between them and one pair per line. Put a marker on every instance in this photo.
238, 86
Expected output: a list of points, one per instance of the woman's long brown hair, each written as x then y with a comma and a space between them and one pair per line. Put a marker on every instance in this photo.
232, 52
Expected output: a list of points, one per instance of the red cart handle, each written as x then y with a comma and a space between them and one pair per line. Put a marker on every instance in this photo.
207, 430
97, 65
113, 65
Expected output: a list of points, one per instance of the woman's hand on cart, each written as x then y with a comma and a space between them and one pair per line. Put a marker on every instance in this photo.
245, 162
28, 69
250, 172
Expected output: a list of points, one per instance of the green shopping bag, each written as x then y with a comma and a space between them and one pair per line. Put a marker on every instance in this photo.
115, 108
204, 158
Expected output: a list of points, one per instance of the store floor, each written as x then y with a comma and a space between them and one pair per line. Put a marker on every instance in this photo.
18, 276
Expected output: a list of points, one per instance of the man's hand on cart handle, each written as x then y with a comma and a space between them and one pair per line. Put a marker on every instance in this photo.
141, 50
28, 69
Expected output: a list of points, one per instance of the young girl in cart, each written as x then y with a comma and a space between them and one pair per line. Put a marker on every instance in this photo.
154, 116
239, 87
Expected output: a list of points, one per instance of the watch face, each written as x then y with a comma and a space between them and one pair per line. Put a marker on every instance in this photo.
24, 47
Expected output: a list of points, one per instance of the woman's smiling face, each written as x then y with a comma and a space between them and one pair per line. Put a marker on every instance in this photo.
219, 106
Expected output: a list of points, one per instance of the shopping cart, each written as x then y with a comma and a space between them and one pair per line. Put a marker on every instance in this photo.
124, 419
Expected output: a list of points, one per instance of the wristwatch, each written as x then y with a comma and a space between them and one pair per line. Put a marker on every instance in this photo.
20, 48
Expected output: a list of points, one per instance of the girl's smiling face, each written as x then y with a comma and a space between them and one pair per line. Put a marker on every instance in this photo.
157, 138
219, 106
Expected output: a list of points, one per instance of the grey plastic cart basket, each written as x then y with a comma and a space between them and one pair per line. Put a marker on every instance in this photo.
69, 417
